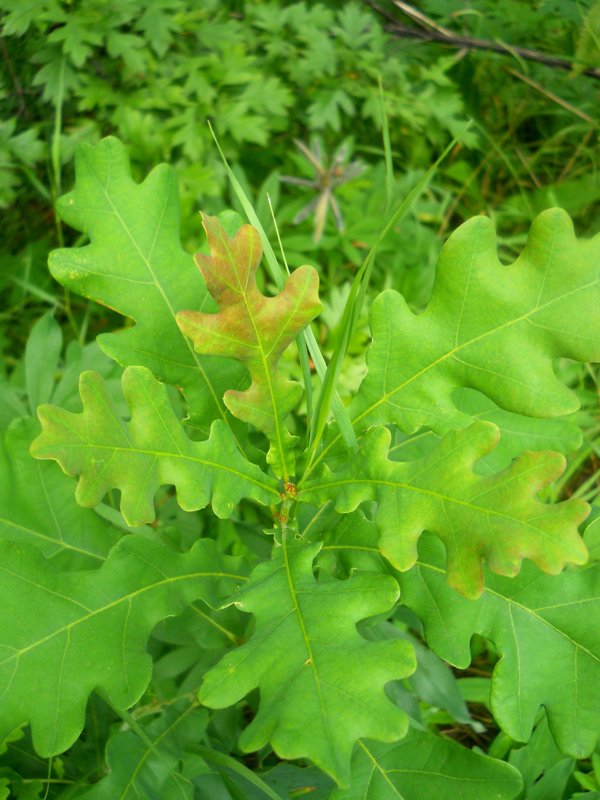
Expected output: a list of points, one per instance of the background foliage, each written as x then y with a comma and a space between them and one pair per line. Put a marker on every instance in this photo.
292, 90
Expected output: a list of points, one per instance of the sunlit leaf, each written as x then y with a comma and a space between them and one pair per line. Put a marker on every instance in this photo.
493, 517
150, 450
491, 327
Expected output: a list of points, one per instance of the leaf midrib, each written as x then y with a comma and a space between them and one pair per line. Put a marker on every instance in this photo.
147, 264
528, 611
154, 744
449, 354
430, 492
263, 356
382, 771
60, 544
307, 644
160, 454
109, 606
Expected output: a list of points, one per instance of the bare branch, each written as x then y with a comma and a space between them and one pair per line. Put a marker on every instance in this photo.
435, 33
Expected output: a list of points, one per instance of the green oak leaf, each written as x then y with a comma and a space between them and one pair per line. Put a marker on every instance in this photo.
433, 682
517, 433
493, 517
150, 450
253, 329
37, 506
66, 634
13, 785
490, 327
321, 683
350, 543
424, 765
292, 781
151, 768
135, 264
542, 627
11, 405
591, 535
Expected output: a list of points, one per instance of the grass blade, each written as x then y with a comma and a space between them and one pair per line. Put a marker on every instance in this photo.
387, 149
356, 299
223, 760
302, 350
307, 340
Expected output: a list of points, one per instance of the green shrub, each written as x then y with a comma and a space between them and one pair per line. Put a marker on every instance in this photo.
253, 547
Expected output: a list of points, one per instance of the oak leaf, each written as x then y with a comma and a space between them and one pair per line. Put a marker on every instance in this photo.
253, 329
